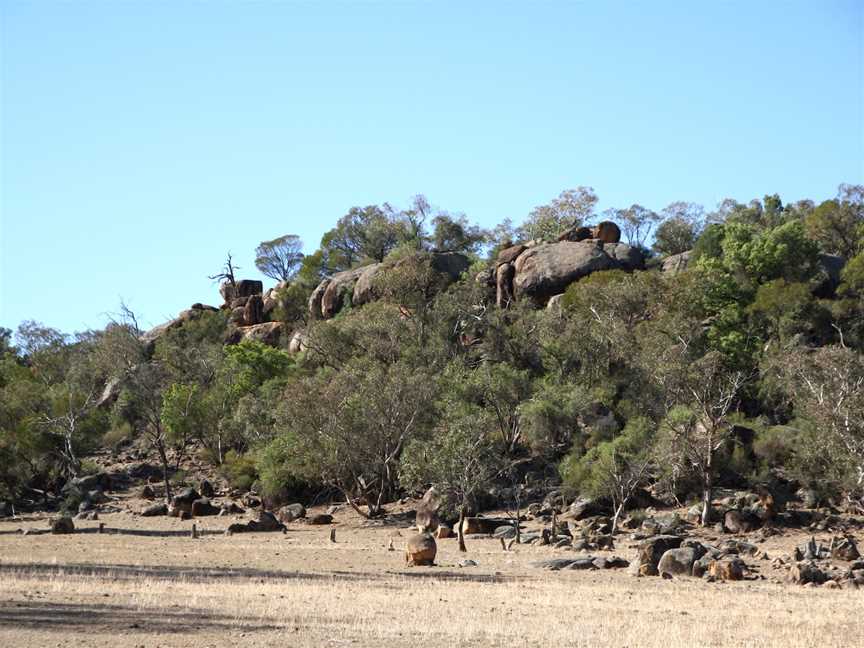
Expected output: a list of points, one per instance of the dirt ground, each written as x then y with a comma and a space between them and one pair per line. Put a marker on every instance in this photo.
146, 582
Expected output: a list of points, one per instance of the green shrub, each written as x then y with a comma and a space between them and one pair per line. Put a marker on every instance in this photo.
239, 470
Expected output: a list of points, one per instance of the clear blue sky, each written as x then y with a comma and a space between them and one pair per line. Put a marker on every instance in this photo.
143, 140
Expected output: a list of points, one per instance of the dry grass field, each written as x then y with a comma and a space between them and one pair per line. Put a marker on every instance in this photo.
145, 582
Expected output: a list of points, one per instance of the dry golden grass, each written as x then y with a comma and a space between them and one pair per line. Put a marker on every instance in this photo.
575, 609
300, 590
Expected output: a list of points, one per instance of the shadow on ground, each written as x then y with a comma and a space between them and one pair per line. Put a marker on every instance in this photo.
206, 575
59, 617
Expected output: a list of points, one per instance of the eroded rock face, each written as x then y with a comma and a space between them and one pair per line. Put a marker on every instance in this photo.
358, 285
316, 298
364, 289
340, 286
188, 315
677, 262
298, 342
253, 311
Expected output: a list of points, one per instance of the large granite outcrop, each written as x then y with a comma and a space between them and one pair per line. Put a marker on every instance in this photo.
539, 271
358, 286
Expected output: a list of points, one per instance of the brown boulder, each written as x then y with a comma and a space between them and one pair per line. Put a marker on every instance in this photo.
803, 573
420, 549
607, 231
154, 510
727, 569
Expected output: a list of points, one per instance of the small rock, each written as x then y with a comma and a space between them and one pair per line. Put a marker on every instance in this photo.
467, 563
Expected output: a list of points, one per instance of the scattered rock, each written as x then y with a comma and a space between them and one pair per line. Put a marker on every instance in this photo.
251, 500
291, 512
320, 519
206, 488
735, 521
181, 503
650, 552
803, 573
154, 510
582, 508
202, 507
62, 525
844, 548
506, 531
444, 531
727, 569
266, 522
480, 525
679, 562
231, 508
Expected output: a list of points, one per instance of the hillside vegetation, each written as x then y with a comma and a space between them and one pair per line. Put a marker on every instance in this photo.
415, 349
